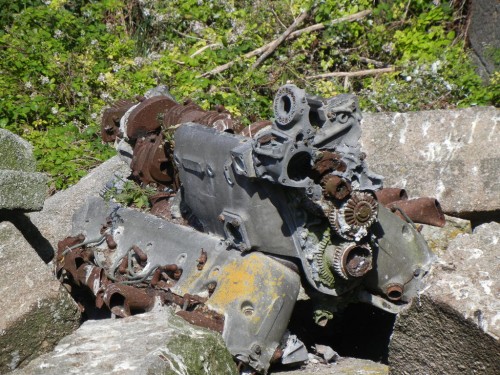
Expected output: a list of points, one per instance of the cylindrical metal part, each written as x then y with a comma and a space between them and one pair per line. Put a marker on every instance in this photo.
389, 195
421, 210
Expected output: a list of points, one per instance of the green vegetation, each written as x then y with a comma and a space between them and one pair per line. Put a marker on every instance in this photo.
63, 61
130, 193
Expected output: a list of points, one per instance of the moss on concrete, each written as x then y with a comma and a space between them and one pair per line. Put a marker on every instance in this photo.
15, 153
22, 190
201, 357
38, 331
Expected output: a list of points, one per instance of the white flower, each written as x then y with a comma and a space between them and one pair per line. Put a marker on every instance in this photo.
138, 61
146, 12
435, 66
28, 85
58, 34
93, 42
408, 78
44, 80
388, 47
116, 67
104, 96
101, 77
47, 2
54, 110
93, 116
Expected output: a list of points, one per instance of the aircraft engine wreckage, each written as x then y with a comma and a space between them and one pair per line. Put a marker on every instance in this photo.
243, 219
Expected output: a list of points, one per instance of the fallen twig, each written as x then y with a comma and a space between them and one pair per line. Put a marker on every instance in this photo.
272, 47
316, 27
321, 26
359, 73
202, 49
378, 64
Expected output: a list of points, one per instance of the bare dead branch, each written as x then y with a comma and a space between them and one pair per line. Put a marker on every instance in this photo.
321, 26
316, 27
272, 47
203, 49
378, 64
359, 73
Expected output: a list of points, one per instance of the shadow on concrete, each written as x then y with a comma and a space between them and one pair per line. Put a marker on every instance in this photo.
30, 232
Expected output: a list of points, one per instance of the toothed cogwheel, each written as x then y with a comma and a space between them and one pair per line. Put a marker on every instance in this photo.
352, 261
360, 210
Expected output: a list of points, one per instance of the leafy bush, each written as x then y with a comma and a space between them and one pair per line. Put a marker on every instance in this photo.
63, 61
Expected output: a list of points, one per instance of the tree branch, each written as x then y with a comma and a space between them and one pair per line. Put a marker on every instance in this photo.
316, 27
203, 49
321, 26
359, 73
272, 47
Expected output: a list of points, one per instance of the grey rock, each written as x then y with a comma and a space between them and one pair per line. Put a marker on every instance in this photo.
438, 239
327, 353
343, 366
36, 312
21, 188
152, 343
55, 221
484, 35
24, 191
453, 327
450, 155
15, 153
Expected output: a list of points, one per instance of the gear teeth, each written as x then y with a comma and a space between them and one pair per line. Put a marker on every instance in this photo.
337, 263
340, 259
360, 210
326, 276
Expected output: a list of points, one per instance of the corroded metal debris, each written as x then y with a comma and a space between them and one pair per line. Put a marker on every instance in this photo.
244, 217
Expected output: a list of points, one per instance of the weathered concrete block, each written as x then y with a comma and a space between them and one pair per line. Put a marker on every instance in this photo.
454, 327
20, 186
36, 311
484, 35
55, 221
343, 366
450, 155
22, 190
15, 153
152, 343
438, 239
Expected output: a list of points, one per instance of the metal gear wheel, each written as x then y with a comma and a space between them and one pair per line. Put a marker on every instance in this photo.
352, 261
360, 210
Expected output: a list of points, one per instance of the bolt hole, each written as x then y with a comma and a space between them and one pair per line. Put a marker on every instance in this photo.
247, 308
234, 233
285, 104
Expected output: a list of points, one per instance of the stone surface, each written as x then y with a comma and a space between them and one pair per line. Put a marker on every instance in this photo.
152, 343
36, 312
55, 221
484, 35
450, 155
344, 366
454, 327
22, 190
438, 239
15, 153
20, 186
